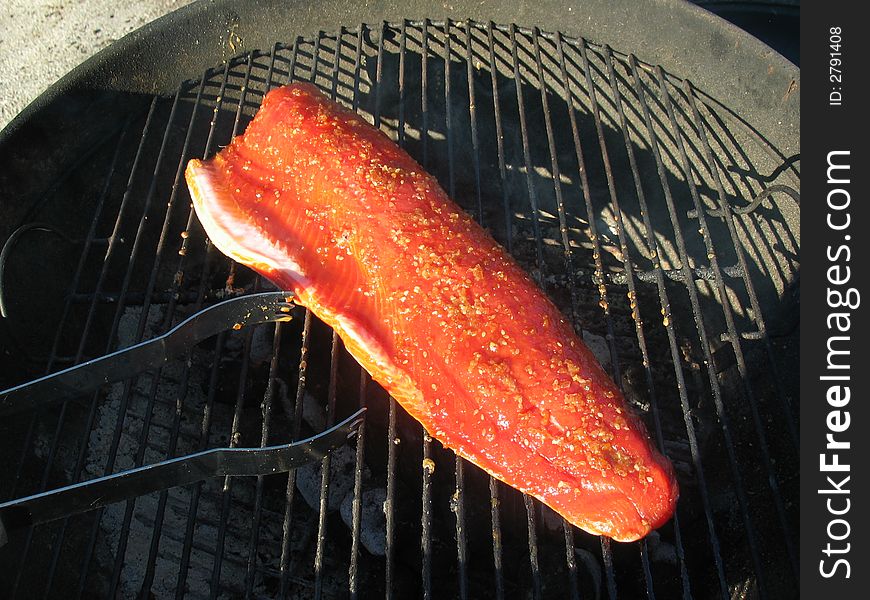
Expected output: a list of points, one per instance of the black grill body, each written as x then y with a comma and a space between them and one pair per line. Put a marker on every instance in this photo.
659, 212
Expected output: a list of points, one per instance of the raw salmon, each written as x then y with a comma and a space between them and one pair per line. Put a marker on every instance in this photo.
320, 202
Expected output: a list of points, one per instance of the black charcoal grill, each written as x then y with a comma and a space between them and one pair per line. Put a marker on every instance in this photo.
641, 161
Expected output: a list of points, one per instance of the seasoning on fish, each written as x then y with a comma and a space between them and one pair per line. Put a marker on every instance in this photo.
320, 202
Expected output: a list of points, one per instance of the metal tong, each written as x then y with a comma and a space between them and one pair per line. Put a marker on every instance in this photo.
139, 358
218, 462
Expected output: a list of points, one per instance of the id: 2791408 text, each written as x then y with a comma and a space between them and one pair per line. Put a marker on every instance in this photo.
835, 66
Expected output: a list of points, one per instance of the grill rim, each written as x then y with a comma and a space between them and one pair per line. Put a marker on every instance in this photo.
403, 21
151, 59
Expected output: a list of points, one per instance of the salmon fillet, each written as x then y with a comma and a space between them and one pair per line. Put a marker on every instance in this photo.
318, 201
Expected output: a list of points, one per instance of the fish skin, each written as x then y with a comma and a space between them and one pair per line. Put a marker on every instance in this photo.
320, 202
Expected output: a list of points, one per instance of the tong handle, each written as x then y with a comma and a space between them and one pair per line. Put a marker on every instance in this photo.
117, 366
217, 462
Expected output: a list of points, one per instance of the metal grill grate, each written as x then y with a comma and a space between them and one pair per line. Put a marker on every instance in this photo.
657, 220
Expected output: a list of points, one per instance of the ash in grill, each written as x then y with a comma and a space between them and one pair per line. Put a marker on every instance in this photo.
657, 220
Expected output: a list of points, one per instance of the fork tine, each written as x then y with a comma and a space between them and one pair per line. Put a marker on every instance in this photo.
117, 366
95, 493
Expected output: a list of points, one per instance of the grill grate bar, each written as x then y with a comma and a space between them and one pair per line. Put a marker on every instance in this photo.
235, 435
461, 542
151, 285
390, 503
284, 562
326, 464
297, 427
597, 252
269, 393
740, 486
499, 136
142, 442
665, 304
594, 237
325, 467
359, 458
609, 571
116, 439
531, 521
426, 516
569, 265
266, 407
472, 115
539, 276
695, 303
497, 550
664, 301
426, 470
392, 439
174, 434
458, 501
448, 129
79, 353
268, 398
524, 134
757, 315
571, 560
207, 413
356, 507
179, 404
688, 90
636, 314
53, 355
205, 429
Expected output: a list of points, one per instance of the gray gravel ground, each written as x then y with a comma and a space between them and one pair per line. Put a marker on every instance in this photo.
41, 40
